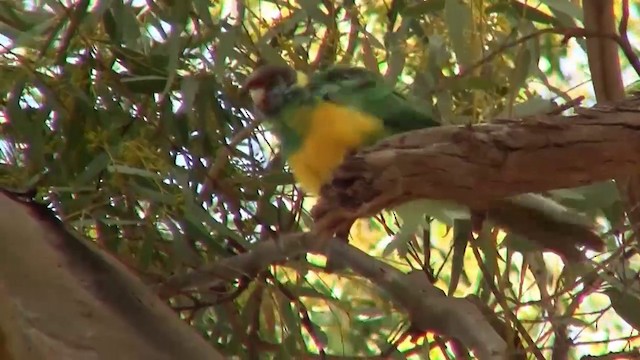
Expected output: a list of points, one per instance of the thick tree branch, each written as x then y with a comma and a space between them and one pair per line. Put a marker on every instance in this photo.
606, 77
248, 264
479, 165
428, 307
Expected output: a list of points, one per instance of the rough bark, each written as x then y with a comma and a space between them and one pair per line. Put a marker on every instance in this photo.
479, 165
62, 298
606, 78
604, 62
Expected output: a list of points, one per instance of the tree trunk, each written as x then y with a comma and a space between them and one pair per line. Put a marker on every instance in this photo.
63, 298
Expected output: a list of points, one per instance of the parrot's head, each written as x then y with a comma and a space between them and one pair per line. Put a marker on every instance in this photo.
270, 85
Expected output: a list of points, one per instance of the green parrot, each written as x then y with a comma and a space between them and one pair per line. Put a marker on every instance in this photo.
319, 119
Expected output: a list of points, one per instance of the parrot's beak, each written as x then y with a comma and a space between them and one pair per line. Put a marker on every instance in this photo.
257, 96
245, 87
302, 79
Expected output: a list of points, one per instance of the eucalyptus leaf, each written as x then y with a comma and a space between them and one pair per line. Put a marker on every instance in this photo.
626, 305
565, 6
459, 20
462, 231
93, 169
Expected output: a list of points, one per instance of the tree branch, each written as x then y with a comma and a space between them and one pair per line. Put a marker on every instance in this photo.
625, 44
606, 77
594, 35
428, 307
602, 52
248, 264
479, 165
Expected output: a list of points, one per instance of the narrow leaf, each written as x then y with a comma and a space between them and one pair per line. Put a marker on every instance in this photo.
458, 17
95, 167
626, 305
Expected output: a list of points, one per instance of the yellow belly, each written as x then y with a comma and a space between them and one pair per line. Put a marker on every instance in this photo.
331, 132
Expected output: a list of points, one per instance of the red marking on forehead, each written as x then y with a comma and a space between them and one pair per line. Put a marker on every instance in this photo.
266, 75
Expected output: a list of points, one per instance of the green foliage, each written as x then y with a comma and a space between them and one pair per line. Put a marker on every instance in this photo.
118, 112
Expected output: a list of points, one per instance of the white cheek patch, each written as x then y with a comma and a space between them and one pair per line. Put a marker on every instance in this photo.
302, 79
257, 96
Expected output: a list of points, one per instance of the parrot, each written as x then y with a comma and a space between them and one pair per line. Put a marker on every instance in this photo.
320, 118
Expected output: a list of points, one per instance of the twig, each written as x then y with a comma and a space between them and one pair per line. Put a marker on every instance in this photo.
75, 17
627, 49
566, 106
568, 34
305, 320
428, 308
509, 315
222, 156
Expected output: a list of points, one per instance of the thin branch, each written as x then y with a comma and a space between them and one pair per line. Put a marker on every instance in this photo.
429, 309
568, 34
75, 18
247, 264
627, 49
222, 156
305, 319
510, 315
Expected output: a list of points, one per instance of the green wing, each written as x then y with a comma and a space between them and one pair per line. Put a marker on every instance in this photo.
368, 92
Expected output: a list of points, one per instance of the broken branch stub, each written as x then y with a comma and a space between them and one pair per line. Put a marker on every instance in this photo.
478, 165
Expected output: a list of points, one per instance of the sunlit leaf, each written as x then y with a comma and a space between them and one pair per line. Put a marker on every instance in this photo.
485, 241
524, 11
532, 106
461, 235
459, 19
521, 70
311, 7
565, 6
